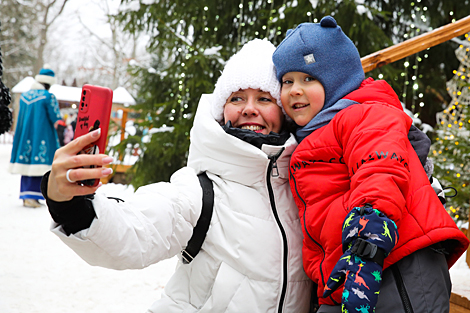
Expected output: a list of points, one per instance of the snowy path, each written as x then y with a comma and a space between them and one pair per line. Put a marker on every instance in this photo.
39, 274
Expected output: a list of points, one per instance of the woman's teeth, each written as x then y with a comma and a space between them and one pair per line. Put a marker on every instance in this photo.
252, 127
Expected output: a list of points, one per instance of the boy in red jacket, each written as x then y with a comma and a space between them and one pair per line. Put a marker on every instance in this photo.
369, 214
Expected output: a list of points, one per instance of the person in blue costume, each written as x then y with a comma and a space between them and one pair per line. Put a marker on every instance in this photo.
35, 140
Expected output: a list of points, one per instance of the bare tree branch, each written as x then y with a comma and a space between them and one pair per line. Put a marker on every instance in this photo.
44, 27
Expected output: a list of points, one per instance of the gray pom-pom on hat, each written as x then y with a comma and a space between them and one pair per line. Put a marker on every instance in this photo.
251, 67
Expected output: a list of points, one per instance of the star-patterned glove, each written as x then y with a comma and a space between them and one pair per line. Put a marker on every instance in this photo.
368, 237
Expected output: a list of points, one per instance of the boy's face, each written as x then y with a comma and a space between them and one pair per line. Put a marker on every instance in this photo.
302, 97
254, 110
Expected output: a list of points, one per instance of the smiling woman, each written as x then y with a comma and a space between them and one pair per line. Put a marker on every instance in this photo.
250, 68
250, 260
254, 110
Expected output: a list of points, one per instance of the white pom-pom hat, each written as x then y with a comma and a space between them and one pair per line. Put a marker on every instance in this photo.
252, 67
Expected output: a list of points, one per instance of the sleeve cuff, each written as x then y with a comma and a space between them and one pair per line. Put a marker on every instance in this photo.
74, 215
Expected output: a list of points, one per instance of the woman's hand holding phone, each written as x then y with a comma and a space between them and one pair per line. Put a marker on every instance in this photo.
69, 167
94, 112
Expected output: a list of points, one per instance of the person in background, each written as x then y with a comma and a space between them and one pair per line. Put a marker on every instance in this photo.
69, 130
73, 122
376, 236
35, 139
250, 260
61, 126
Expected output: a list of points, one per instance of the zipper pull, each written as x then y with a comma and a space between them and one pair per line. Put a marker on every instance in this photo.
275, 171
273, 158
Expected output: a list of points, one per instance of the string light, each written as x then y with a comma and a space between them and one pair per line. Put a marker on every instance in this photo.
418, 15
454, 130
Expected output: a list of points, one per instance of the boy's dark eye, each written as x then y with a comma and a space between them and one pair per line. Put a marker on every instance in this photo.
309, 78
286, 81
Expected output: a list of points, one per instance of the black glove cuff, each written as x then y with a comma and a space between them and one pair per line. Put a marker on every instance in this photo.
74, 215
369, 251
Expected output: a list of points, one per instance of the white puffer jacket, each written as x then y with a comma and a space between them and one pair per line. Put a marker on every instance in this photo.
251, 258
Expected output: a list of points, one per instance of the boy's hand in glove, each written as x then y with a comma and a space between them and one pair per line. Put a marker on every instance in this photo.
368, 237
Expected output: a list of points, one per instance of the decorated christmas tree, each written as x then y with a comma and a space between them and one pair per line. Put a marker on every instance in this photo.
190, 41
451, 149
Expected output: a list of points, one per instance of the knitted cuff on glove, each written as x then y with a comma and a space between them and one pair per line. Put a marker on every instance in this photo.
372, 226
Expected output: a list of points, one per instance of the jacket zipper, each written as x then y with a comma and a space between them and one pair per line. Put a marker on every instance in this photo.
405, 299
273, 171
310, 236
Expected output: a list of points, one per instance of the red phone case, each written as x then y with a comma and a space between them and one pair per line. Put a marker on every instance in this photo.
94, 112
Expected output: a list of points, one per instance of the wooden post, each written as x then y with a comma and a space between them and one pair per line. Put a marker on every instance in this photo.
415, 44
123, 124
459, 304
123, 129
468, 250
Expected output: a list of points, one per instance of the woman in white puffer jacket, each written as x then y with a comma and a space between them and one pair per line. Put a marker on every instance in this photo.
251, 259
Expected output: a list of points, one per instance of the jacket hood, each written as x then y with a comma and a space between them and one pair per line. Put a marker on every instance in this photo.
377, 91
369, 90
213, 150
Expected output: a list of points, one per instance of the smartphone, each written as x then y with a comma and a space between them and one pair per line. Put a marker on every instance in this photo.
94, 112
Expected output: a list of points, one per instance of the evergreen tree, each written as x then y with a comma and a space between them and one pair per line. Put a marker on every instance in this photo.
19, 19
419, 80
191, 40
451, 150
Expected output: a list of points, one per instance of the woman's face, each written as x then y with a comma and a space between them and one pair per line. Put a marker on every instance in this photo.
254, 110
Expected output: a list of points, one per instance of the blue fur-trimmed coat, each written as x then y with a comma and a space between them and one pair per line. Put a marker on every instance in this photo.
35, 140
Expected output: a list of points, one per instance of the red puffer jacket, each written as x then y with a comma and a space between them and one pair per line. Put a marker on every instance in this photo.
364, 156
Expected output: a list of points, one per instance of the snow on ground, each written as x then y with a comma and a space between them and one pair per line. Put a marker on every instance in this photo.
38, 273
460, 276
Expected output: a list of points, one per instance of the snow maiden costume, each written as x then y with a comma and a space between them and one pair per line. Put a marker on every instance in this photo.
35, 140
358, 184
251, 257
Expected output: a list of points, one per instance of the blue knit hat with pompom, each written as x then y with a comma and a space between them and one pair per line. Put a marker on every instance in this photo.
46, 76
323, 51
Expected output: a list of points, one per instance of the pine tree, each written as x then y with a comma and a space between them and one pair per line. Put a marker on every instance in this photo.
191, 39
18, 40
190, 43
451, 150
419, 80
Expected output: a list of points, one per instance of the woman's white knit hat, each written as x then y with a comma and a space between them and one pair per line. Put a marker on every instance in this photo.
252, 67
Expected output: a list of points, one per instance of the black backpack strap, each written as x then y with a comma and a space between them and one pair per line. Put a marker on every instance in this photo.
202, 225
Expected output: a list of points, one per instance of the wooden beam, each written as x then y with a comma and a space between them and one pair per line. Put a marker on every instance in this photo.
467, 259
459, 304
415, 44
117, 169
